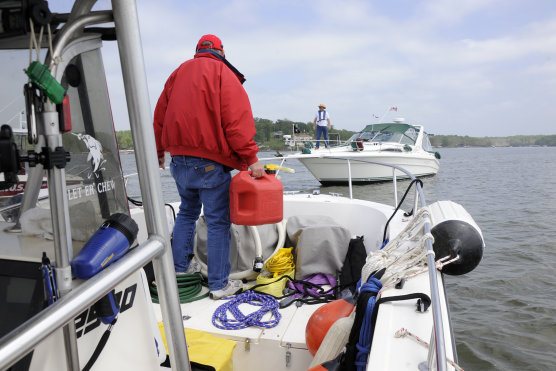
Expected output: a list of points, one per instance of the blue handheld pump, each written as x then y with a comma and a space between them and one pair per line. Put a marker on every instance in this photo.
109, 243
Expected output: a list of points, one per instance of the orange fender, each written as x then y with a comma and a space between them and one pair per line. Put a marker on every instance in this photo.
321, 321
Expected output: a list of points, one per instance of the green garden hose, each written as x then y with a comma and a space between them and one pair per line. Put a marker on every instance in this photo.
189, 286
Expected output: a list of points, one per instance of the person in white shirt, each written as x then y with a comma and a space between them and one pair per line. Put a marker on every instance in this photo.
321, 124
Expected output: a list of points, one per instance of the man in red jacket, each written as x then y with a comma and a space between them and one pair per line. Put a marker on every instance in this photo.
203, 118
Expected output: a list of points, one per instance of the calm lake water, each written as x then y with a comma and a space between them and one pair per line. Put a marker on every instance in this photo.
503, 312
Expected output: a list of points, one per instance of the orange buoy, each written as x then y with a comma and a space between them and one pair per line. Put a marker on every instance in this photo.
321, 321
256, 201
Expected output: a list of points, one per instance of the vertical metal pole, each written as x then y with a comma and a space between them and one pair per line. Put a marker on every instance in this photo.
32, 189
415, 203
60, 229
138, 104
349, 180
438, 328
439, 342
395, 181
431, 357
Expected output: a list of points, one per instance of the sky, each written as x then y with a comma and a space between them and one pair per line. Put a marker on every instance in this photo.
467, 67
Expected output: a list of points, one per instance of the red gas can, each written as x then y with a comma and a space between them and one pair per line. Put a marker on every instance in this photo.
256, 201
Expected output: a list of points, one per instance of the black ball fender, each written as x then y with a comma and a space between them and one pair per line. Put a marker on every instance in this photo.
458, 238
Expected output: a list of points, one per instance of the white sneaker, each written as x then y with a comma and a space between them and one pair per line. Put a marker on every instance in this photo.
232, 287
194, 267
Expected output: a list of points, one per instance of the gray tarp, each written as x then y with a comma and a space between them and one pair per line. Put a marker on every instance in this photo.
320, 243
242, 247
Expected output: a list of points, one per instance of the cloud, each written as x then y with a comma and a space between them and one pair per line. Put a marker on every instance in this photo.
476, 67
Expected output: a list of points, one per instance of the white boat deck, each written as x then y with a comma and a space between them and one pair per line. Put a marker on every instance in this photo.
287, 336
283, 347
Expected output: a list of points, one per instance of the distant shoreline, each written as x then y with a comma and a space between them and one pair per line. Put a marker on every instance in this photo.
518, 146
125, 141
449, 141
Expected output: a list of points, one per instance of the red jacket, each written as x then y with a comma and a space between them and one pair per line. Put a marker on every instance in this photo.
204, 111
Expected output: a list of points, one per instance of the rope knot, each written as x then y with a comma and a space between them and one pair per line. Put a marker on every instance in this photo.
424, 238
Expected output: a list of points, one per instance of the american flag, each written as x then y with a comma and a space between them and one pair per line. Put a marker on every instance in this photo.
394, 109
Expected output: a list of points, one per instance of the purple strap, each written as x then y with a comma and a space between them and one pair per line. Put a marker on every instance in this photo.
317, 279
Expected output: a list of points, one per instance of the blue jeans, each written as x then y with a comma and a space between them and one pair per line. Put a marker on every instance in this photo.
324, 131
202, 182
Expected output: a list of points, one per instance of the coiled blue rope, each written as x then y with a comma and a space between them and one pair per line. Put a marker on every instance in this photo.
364, 345
266, 302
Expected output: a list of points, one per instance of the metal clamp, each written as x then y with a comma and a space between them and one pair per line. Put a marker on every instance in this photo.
48, 158
288, 355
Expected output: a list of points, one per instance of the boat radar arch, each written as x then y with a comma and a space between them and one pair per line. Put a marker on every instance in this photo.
399, 120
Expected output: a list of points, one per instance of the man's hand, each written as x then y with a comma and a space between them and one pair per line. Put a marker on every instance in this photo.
161, 161
257, 169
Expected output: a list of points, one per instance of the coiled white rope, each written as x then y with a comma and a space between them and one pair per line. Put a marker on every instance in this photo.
403, 256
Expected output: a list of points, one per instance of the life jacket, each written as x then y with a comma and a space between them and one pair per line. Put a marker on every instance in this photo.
321, 115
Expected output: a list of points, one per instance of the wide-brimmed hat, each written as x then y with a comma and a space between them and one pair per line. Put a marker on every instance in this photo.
322, 105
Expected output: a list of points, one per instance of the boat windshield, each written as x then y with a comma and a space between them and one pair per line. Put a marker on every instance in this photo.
427, 146
408, 137
12, 102
94, 180
387, 137
365, 136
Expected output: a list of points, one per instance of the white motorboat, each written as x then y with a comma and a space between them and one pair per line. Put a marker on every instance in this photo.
83, 250
394, 143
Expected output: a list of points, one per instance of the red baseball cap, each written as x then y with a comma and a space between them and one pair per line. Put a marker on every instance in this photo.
216, 43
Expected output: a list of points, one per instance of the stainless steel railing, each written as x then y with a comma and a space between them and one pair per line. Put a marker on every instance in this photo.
438, 351
21, 340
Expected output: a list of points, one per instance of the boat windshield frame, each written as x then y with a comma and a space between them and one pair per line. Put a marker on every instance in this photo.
388, 133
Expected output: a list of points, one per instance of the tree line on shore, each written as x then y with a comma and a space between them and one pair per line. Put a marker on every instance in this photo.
513, 141
270, 135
